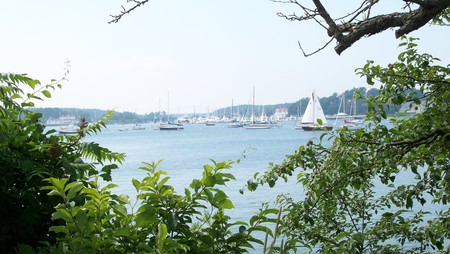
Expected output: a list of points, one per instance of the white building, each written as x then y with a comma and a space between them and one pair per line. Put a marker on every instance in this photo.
281, 113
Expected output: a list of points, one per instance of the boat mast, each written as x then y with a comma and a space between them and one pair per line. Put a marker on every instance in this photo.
253, 113
231, 116
168, 108
314, 106
160, 113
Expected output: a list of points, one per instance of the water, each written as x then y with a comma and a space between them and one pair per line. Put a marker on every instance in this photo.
185, 152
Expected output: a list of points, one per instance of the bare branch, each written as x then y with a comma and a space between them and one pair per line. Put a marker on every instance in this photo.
137, 3
318, 50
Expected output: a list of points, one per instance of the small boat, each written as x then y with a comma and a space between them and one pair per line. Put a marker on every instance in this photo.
258, 126
353, 121
138, 127
170, 126
68, 129
314, 112
236, 125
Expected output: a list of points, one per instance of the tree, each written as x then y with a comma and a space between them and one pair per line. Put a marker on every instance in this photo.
29, 153
343, 212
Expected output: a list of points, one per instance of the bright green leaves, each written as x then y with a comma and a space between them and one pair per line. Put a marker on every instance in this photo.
163, 221
212, 175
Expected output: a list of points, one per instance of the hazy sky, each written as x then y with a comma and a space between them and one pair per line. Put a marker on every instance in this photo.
205, 53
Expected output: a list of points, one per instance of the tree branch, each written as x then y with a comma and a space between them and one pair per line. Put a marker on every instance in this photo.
422, 16
347, 31
310, 54
137, 3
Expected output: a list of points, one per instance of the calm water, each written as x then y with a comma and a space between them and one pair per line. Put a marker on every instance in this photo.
185, 152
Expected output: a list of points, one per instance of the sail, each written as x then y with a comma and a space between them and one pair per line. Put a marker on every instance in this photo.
313, 111
318, 111
308, 116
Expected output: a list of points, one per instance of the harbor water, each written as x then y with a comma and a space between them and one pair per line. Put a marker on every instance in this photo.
185, 152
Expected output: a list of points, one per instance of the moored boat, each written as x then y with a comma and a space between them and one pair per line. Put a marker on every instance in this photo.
68, 129
170, 126
314, 118
258, 124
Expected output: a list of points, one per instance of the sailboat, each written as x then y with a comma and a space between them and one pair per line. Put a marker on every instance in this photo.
169, 126
353, 119
236, 122
257, 124
342, 115
314, 112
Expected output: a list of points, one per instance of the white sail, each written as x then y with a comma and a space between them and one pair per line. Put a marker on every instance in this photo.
314, 111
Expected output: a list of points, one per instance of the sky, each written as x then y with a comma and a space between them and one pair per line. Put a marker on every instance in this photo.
187, 55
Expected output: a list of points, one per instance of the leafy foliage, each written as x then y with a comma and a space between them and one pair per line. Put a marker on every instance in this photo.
160, 221
407, 160
30, 153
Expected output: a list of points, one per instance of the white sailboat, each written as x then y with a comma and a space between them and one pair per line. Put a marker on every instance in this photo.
314, 112
169, 126
257, 124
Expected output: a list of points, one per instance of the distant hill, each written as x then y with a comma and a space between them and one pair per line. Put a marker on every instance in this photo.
92, 115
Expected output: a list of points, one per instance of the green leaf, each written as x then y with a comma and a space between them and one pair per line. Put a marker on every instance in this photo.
59, 229
120, 209
125, 232
172, 221
75, 187
161, 237
226, 204
137, 185
46, 93
62, 214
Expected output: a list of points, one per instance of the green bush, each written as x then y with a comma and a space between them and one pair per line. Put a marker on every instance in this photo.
29, 154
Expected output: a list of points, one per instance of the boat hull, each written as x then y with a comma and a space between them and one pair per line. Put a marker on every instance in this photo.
258, 126
317, 128
68, 129
170, 127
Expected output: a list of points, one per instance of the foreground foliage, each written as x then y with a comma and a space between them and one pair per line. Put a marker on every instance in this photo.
29, 154
160, 220
406, 160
